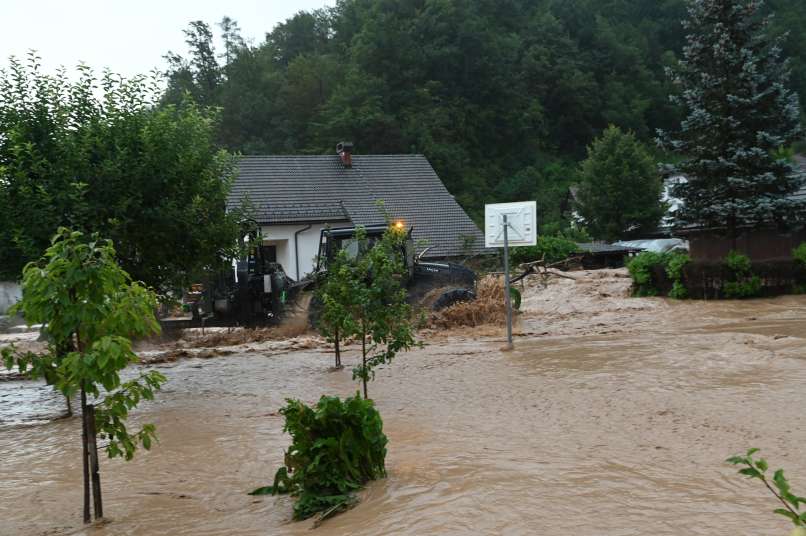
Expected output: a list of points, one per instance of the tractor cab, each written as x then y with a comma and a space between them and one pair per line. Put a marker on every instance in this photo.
332, 241
453, 282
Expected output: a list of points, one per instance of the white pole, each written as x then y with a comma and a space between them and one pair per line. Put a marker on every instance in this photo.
507, 298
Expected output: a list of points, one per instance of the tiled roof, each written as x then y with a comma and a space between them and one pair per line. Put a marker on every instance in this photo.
293, 189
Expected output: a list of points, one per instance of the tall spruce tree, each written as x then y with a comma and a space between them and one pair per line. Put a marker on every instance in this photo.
740, 117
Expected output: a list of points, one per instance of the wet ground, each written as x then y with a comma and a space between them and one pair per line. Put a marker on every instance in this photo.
612, 418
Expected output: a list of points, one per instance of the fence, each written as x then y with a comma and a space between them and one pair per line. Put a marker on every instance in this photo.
706, 280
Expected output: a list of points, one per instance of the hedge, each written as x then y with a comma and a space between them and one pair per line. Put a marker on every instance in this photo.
676, 276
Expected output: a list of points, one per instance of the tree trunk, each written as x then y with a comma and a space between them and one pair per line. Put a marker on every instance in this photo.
97, 502
364, 361
85, 454
69, 406
338, 350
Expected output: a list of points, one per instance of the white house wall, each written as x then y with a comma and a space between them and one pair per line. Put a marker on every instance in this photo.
10, 293
282, 236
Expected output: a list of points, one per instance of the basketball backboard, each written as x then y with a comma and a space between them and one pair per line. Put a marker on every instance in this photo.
522, 220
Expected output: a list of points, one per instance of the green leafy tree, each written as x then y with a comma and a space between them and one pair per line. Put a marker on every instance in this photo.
99, 155
733, 88
200, 75
620, 189
330, 302
365, 292
91, 308
779, 487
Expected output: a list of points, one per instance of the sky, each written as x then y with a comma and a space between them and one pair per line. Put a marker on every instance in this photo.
128, 36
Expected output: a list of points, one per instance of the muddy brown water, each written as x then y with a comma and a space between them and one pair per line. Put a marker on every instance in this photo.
617, 426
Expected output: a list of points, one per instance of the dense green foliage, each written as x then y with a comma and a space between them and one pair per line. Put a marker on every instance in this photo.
742, 283
799, 254
91, 308
501, 96
740, 116
620, 187
363, 299
98, 155
551, 249
640, 268
337, 447
643, 266
757, 468
675, 263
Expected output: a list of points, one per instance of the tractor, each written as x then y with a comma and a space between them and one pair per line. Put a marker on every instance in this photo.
253, 292
257, 292
433, 284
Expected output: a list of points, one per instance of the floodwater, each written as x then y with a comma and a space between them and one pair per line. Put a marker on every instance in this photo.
608, 421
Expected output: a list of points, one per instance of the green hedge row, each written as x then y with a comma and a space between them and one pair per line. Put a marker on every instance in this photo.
735, 277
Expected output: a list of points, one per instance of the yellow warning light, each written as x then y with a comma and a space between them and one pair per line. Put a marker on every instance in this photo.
398, 224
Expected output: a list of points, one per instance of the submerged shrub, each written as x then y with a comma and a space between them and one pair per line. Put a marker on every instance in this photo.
679, 291
644, 267
641, 267
337, 447
742, 283
739, 264
675, 263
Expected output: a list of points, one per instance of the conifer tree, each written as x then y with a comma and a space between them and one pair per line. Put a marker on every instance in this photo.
740, 118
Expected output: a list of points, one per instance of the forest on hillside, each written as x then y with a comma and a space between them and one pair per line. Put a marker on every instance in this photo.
502, 96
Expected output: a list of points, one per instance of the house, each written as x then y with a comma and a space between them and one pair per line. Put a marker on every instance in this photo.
760, 243
295, 197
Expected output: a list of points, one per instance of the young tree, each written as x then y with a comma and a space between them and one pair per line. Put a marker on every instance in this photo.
365, 292
739, 116
91, 308
330, 306
620, 190
99, 155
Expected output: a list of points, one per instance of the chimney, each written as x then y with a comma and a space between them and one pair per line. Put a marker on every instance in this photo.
345, 151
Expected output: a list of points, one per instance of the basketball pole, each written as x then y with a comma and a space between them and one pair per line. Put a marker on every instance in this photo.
507, 297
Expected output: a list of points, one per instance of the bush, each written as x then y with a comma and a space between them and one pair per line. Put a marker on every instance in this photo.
653, 273
742, 283
748, 288
641, 267
337, 447
738, 263
675, 263
549, 248
799, 254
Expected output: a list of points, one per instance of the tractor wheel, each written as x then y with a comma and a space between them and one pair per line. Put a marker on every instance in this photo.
452, 296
